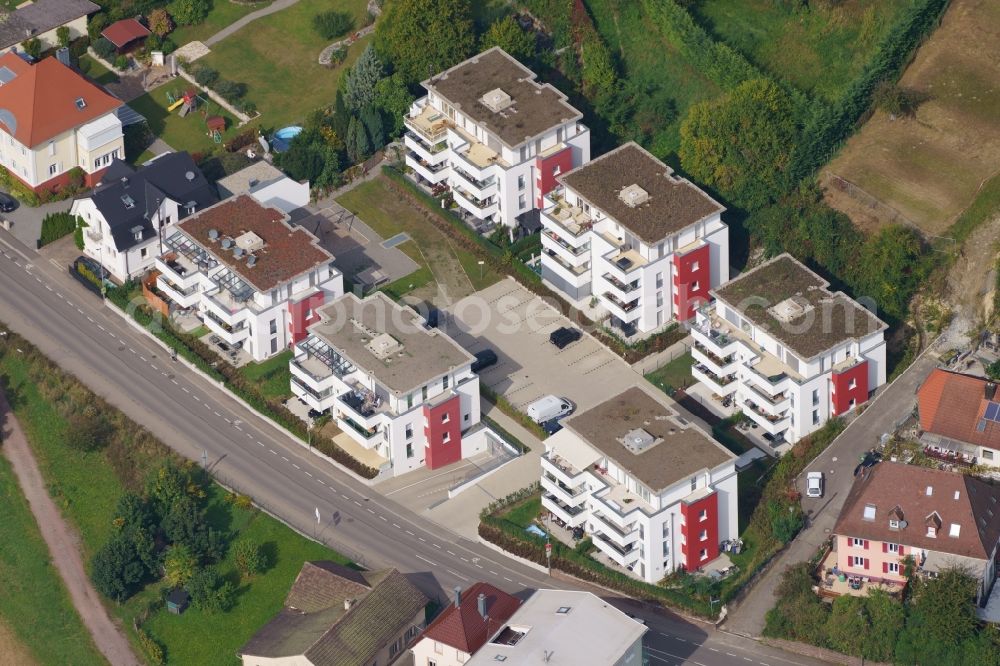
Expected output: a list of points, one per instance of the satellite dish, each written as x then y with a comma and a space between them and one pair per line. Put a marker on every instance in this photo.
903, 524
238, 252
213, 234
226, 243
189, 175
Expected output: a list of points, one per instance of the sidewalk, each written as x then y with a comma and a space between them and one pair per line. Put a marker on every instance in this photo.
62, 544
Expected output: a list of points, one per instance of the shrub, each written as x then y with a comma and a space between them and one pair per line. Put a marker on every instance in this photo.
206, 76
179, 565
250, 559
33, 47
189, 12
121, 62
333, 24
87, 431
230, 90
160, 22
105, 49
57, 225
209, 593
62, 35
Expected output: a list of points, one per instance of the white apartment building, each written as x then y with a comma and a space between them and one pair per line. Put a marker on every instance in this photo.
655, 493
255, 281
495, 136
404, 395
792, 353
623, 231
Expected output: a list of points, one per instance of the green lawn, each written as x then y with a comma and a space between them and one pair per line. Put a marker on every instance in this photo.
524, 514
675, 374
97, 72
223, 13
34, 604
276, 57
272, 375
187, 133
480, 276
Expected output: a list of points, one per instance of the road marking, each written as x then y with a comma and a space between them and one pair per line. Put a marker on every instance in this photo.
479, 566
522, 583
324, 483
143, 358
371, 511
730, 654
409, 532
310, 475
249, 435
237, 427
677, 638
450, 553
296, 466
196, 397
422, 539
397, 526
90, 319
174, 382
436, 546
273, 451
185, 389
46, 286
284, 458
494, 573
356, 502
132, 350
456, 574
509, 580
383, 519
464, 559
713, 649
103, 330
228, 421
218, 414
433, 564
207, 406
154, 367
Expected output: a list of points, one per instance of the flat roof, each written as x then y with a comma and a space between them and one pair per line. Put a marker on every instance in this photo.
673, 203
564, 627
534, 108
287, 251
678, 449
350, 325
827, 318
250, 179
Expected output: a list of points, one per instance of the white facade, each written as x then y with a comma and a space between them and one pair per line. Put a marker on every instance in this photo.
429, 652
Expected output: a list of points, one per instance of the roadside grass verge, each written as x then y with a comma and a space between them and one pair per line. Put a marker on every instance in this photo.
272, 376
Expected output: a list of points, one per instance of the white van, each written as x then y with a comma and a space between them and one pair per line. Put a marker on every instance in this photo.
548, 408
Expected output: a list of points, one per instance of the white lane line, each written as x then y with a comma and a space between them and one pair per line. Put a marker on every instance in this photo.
713, 649
46, 286
433, 564
132, 350
261, 444
249, 436
450, 553
228, 421
479, 566
456, 574
678, 638
310, 475
409, 532
207, 406
509, 580
218, 414
436, 546
237, 427
59, 295
522, 583
371, 511
324, 483
422, 539
284, 458
154, 367
196, 397
80, 310
397, 526
185, 389
383, 519
464, 559
494, 573
143, 358
174, 382
273, 451
357, 502
730, 654
103, 330
90, 319
296, 466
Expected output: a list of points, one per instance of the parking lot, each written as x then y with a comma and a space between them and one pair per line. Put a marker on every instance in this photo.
516, 323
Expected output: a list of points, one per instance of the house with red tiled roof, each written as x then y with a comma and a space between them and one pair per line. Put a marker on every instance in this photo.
254, 279
53, 120
940, 519
474, 617
960, 418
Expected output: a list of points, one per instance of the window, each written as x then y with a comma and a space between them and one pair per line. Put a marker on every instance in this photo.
659, 280
423, 393
52, 169
694, 265
858, 562
892, 567
52, 148
703, 536
892, 548
695, 286
274, 345
853, 384
815, 397
987, 454
465, 418
409, 450
703, 515
445, 382
893, 524
931, 531
869, 513
857, 543
694, 483
520, 182
446, 437
666, 548
703, 555
666, 530
955, 530
438, 648
409, 431
445, 417
815, 417
143, 252
81, 103
659, 299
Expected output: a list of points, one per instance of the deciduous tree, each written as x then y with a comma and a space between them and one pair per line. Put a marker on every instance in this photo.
249, 557
116, 568
423, 37
160, 22
178, 565
393, 98
508, 34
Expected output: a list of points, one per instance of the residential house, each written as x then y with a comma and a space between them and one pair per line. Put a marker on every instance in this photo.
960, 418
53, 120
268, 185
254, 279
791, 353
475, 616
41, 20
396, 388
939, 519
495, 136
655, 492
624, 232
131, 209
336, 616
565, 627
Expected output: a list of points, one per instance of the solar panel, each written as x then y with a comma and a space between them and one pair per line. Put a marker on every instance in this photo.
992, 411
6, 75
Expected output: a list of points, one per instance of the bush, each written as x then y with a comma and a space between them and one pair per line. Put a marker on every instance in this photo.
87, 431
331, 25
116, 569
105, 49
250, 559
57, 225
189, 12
62, 35
230, 90
121, 62
206, 76
209, 593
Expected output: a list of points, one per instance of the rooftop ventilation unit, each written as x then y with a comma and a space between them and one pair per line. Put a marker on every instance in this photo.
238, 252
496, 100
383, 346
250, 242
638, 440
790, 309
633, 196
251, 261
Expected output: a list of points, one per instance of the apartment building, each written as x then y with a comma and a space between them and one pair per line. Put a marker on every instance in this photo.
41, 20
473, 618
394, 386
940, 519
792, 353
53, 120
623, 231
565, 627
960, 419
254, 280
654, 492
130, 208
495, 136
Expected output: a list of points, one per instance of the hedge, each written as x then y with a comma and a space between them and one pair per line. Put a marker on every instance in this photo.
55, 226
509, 438
504, 406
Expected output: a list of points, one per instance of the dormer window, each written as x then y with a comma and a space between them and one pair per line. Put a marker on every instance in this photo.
893, 524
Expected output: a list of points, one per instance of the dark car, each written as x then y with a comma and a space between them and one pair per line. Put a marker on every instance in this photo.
868, 460
552, 426
7, 203
484, 359
564, 336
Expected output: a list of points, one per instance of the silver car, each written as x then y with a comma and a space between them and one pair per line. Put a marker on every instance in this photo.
814, 484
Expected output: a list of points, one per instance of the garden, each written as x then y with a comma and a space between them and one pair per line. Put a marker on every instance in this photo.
187, 132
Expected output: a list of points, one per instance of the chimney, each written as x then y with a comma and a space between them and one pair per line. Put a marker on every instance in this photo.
991, 390
347, 604
458, 597
482, 605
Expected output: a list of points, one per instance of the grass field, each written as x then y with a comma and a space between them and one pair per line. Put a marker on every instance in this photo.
187, 133
276, 57
272, 375
223, 13
817, 49
931, 168
675, 374
38, 623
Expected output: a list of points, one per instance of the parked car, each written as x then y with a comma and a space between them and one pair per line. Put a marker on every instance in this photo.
564, 336
549, 407
814, 484
552, 426
869, 459
484, 359
7, 203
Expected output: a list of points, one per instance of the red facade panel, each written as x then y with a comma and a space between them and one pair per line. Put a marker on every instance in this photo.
692, 280
443, 430
547, 168
302, 314
693, 528
851, 384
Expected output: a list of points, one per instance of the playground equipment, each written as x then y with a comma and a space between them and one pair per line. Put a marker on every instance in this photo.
174, 104
216, 126
187, 101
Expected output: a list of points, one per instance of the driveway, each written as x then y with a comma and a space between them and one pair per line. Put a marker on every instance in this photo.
516, 323
27, 226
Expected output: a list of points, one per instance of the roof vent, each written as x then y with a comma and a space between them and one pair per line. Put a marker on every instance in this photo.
383, 346
227, 243
213, 234
633, 196
189, 175
930, 490
252, 260
81, 103
250, 241
128, 201
790, 309
125, 181
638, 440
496, 100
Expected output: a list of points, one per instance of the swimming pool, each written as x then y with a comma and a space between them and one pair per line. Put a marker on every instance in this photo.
284, 136
536, 530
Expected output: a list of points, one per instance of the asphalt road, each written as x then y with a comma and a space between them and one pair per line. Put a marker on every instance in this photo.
43, 303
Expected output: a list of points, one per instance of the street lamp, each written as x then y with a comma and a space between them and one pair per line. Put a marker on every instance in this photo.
481, 264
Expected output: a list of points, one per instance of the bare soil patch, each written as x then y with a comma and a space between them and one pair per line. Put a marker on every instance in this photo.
12, 651
930, 168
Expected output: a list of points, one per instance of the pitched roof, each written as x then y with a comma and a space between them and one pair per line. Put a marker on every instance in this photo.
124, 32
463, 628
956, 499
382, 604
172, 176
40, 17
38, 102
953, 405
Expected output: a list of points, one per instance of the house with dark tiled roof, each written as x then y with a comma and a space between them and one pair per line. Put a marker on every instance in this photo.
336, 616
465, 626
129, 207
960, 419
41, 20
939, 518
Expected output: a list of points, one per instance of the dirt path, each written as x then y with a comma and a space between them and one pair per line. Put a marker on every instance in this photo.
63, 544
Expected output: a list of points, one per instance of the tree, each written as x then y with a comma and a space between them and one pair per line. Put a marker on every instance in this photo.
885, 620
742, 143
799, 614
33, 47
847, 625
359, 88
116, 568
896, 100
508, 34
993, 370
178, 565
190, 12
786, 520
249, 557
393, 98
356, 142
890, 268
331, 25
160, 22
208, 593
185, 524
372, 120
170, 483
63, 35
423, 37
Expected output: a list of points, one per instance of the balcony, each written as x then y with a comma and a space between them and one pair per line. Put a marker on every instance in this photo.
719, 385
621, 536
179, 270
718, 364
431, 153
622, 287
568, 495
775, 405
482, 209
184, 298
432, 173
625, 556
574, 251
561, 469
767, 374
366, 437
482, 189
318, 400
570, 219
774, 425
430, 125
627, 312
714, 339
573, 516
231, 334
575, 272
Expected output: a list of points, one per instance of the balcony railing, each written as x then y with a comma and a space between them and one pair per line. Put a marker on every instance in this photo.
627, 307
577, 251
621, 286
222, 324
475, 202
721, 362
607, 524
367, 433
721, 381
318, 395
575, 270
572, 492
770, 418
432, 148
475, 182
570, 510
626, 553
424, 164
